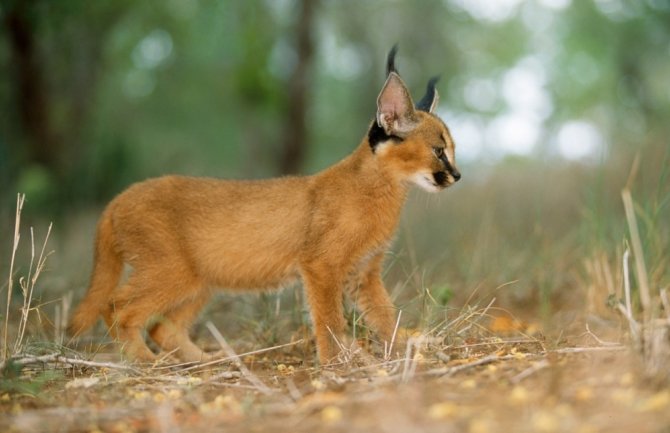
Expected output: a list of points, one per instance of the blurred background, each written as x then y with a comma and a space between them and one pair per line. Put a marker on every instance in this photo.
549, 102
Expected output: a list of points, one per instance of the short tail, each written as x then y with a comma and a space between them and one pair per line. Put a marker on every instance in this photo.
107, 268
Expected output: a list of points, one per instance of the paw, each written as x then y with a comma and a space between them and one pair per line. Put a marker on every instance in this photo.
404, 334
397, 343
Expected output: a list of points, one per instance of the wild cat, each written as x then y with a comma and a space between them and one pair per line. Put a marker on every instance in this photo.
185, 236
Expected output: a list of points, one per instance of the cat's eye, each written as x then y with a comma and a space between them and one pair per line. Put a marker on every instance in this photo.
438, 151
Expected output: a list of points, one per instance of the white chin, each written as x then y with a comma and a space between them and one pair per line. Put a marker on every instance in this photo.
425, 182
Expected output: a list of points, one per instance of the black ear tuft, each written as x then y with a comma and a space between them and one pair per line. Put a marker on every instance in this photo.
426, 103
390, 60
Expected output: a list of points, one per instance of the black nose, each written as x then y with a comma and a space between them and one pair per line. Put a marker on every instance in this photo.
456, 174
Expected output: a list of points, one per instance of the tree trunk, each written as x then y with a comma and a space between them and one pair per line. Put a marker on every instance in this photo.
32, 98
295, 133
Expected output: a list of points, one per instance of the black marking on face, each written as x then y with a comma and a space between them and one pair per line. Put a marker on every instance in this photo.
445, 161
450, 168
377, 135
440, 178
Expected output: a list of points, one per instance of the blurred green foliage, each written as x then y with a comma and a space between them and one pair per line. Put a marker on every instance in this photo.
129, 90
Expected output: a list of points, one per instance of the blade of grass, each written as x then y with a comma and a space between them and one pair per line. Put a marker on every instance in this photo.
640, 267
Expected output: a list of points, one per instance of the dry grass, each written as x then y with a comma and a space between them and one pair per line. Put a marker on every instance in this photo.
525, 321
434, 384
27, 285
650, 328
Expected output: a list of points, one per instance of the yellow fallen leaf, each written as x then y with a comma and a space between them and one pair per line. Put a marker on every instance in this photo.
222, 403
331, 414
193, 381
626, 379
584, 393
318, 385
519, 395
228, 402
545, 422
174, 394
318, 400
479, 426
207, 409
442, 410
657, 402
563, 410
122, 427
623, 396
141, 395
468, 384
284, 370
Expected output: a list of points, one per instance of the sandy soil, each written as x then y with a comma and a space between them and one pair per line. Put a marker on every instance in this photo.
494, 384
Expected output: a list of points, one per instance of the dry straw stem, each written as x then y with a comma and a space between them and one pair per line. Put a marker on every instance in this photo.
411, 361
28, 284
388, 348
20, 198
666, 303
627, 310
650, 335
640, 267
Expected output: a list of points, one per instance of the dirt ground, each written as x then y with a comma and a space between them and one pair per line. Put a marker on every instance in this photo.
505, 383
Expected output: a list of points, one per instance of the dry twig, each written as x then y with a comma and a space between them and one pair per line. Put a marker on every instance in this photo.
449, 371
252, 378
542, 364
187, 366
60, 359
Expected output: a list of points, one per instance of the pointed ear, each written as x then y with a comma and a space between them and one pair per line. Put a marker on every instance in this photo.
395, 109
431, 98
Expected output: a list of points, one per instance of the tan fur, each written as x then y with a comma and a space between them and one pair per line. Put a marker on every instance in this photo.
184, 236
